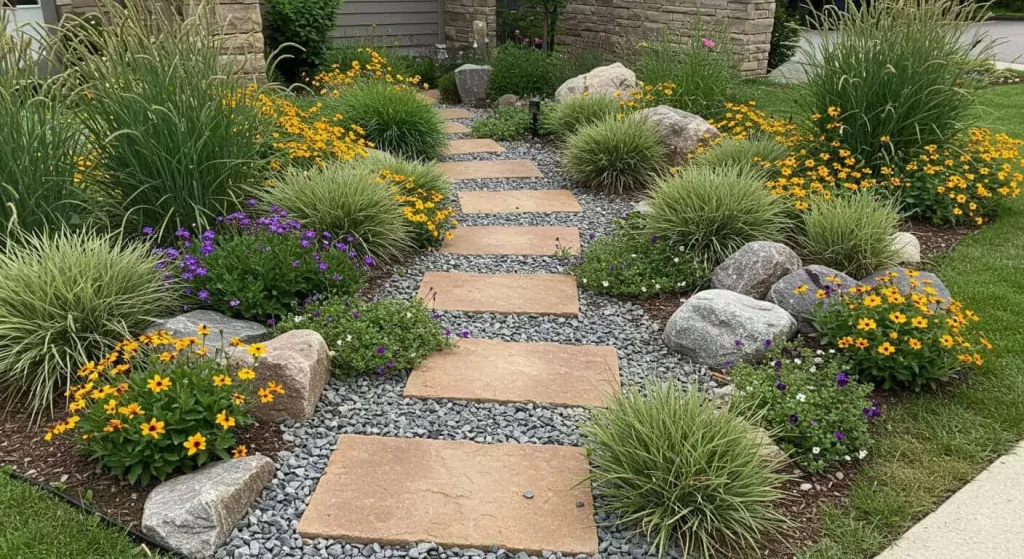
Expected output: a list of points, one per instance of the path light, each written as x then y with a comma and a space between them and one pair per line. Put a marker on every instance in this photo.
534, 115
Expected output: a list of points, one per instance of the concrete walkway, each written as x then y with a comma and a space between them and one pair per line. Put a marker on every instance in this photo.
984, 520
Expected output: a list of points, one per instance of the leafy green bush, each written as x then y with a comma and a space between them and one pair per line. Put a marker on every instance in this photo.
715, 211
386, 336
732, 153
851, 234
522, 71
616, 155
682, 473
449, 89
304, 23
159, 405
633, 263
507, 124
181, 139
396, 120
261, 268
348, 201
817, 412
566, 118
893, 70
67, 298
785, 38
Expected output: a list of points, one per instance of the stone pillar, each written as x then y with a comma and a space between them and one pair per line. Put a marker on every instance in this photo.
242, 27
459, 16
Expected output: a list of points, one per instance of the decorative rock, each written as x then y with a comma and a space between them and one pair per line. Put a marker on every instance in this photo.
806, 487
643, 207
718, 326
187, 324
753, 269
800, 305
681, 132
193, 514
472, 81
927, 283
908, 248
506, 100
297, 360
603, 80
769, 451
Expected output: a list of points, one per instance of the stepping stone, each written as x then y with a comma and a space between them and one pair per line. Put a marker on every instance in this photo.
455, 114
499, 169
476, 145
529, 241
544, 294
455, 494
455, 128
517, 201
496, 371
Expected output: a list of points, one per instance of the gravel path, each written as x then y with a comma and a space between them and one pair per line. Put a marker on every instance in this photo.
375, 406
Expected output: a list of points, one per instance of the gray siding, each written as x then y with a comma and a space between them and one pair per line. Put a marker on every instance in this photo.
415, 25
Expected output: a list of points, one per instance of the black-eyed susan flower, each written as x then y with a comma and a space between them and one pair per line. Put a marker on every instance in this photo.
154, 428
158, 383
224, 420
257, 350
246, 374
221, 380
239, 451
195, 443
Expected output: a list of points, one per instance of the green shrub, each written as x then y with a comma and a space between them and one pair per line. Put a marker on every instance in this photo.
817, 412
715, 211
346, 200
785, 38
522, 71
851, 234
566, 118
262, 268
386, 336
448, 89
893, 69
67, 298
733, 153
507, 124
181, 140
681, 473
426, 175
396, 120
633, 263
304, 23
616, 155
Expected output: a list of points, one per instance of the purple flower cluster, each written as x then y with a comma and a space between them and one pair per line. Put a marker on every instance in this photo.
874, 411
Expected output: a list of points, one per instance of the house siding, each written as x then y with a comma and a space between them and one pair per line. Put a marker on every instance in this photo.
413, 25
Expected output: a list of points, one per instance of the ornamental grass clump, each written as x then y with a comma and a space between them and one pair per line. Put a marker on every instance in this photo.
712, 212
852, 234
157, 405
562, 120
755, 153
67, 298
388, 336
394, 118
616, 155
675, 469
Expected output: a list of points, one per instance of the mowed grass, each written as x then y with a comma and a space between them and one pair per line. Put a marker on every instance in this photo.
35, 525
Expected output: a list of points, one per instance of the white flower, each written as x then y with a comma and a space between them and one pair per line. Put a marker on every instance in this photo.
632, 255
643, 289
816, 450
814, 369
332, 353
604, 283
832, 351
408, 315
584, 280
847, 458
862, 454
676, 260
297, 319
801, 397
819, 352
797, 360
657, 287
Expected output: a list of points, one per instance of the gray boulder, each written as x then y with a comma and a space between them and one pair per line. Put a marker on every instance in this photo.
681, 132
222, 328
472, 81
506, 100
754, 268
299, 361
925, 283
908, 248
789, 292
603, 80
194, 514
717, 326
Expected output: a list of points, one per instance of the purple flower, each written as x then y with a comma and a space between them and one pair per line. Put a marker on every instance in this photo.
322, 265
654, 238
591, 235
296, 264
842, 380
304, 243
147, 231
727, 365
203, 294
794, 419
234, 302
337, 277
464, 334
739, 343
778, 364
380, 350
183, 233
767, 344
781, 386
390, 364
840, 436
448, 334
252, 202
369, 261
355, 315
271, 321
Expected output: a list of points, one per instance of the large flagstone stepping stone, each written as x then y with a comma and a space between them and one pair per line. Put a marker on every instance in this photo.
475, 145
495, 169
454, 114
455, 128
517, 201
544, 294
462, 494
530, 241
497, 371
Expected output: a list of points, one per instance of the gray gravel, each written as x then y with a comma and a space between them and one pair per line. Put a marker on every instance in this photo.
375, 406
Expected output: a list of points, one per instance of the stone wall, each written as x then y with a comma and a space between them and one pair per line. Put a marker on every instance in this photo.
459, 16
748, 22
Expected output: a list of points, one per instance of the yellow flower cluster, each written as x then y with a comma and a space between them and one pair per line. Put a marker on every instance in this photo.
377, 68
423, 208
306, 136
643, 96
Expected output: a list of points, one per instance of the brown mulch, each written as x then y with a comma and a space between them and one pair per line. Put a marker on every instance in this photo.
660, 309
58, 462
803, 509
936, 240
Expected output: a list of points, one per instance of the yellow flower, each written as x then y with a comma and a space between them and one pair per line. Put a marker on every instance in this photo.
801, 289
274, 387
265, 395
246, 374
77, 405
113, 425
131, 410
153, 429
985, 343
110, 407
236, 342
845, 342
257, 350
239, 451
946, 341
221, 380
166, 356
914, 343
238, 399
195, 443
886, 349
224, 420
919, 322
158, 384
872, 301
861, 343
866, 324
204, 330
897, 317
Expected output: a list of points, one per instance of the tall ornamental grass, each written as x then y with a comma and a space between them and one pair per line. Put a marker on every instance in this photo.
177, 139
852, 234
616, 155
896, 71
66, 298
395, 118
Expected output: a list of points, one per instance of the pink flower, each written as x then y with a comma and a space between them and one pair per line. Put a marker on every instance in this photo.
708, 43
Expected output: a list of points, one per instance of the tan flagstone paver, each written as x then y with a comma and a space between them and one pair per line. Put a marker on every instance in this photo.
455, 128
497, 371
475, 145
492, 169
455, 114
545, 294
454, 493
530, 241
432, 95
517, 201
